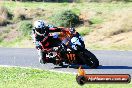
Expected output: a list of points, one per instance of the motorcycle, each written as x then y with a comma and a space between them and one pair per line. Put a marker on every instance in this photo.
71, 50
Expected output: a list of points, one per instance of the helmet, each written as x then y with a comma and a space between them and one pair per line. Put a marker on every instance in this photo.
39, 25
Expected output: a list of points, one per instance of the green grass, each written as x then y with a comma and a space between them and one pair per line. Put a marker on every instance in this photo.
14, 43
96, 20
83, 30
79, 6
98, 13
110, 47
19, 42
4, 32
15, 77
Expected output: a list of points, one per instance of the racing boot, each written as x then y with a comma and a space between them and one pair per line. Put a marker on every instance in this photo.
42, 57
44, 60
41, 61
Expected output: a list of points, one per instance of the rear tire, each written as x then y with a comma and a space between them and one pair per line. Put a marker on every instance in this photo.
89, 59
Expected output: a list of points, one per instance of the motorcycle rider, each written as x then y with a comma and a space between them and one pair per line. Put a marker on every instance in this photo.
43, 41
41, 38
76, 37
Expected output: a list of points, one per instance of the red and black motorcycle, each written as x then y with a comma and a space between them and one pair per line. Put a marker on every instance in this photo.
71, 51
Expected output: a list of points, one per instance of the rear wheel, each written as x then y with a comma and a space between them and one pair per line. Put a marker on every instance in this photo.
89, 59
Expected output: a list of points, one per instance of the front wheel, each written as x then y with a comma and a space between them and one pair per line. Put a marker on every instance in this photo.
89, 59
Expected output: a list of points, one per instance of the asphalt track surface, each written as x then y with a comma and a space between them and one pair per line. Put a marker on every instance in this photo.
111, 62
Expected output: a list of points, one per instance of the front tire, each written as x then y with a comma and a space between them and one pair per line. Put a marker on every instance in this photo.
89, 59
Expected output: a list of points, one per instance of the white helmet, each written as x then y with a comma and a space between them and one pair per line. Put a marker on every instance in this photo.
39, 24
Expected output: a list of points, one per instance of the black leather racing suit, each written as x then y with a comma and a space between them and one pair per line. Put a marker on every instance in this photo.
43, 40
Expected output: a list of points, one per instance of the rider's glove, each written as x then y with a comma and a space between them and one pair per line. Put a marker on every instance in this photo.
38, 45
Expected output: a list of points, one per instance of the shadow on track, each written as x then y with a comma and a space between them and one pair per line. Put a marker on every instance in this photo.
86, 67
114, 67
